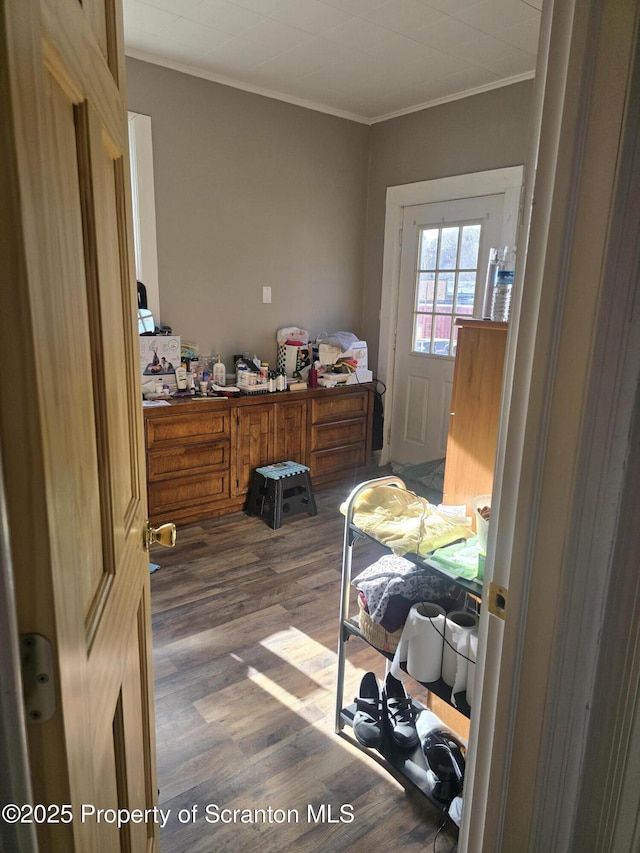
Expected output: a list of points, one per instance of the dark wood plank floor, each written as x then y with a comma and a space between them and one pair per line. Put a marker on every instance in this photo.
245, 633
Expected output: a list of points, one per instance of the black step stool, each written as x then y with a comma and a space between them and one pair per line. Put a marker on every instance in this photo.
284, 487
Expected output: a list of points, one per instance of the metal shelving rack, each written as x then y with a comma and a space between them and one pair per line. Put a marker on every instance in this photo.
403, 764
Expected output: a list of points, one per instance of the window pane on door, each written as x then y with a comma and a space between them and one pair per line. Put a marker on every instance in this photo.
429, 248
442, 334
422, 333
445, 292
426, 287
449, 248
446, 277
469, 246
465, 294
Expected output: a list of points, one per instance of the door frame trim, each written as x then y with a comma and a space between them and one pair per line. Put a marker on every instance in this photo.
143, 201
15, 785
509, 181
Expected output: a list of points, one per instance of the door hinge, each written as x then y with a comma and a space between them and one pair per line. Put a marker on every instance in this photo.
400, 237
38, 683
498, 600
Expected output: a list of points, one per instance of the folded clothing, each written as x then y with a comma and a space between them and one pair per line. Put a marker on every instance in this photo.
394, 577
396, 613
342, 340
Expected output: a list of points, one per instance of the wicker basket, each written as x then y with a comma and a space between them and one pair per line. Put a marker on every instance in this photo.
375, 634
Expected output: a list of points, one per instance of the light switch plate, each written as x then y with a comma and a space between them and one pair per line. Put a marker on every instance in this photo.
266, 295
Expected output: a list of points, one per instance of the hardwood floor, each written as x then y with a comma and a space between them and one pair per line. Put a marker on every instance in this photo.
245, 633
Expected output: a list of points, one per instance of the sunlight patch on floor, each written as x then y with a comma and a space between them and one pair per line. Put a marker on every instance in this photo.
294, 647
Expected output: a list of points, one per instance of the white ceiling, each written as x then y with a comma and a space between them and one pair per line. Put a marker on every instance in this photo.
364, 59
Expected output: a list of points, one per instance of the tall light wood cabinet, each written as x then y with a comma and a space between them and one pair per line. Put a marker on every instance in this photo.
475, 410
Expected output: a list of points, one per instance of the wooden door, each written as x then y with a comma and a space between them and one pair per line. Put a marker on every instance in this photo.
253, 442
291, 432
70, 416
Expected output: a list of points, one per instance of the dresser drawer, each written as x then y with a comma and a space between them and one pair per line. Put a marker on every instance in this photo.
187, 459
193, 428
331, 435
325, 462
188, 493
339, 407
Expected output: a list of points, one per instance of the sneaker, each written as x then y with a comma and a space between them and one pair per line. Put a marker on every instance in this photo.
400, 712
367, 722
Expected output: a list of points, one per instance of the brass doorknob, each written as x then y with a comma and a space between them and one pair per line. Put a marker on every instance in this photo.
163, 535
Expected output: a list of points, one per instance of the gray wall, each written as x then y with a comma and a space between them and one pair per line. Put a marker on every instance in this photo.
249, 192
252, 191
486, 131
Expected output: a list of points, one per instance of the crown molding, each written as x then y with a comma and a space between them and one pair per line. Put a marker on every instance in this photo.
313, 105
245, 87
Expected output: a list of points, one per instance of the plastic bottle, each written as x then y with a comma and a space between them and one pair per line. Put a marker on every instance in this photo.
503, 287
219, 373
241, 374
501, 305
492, 268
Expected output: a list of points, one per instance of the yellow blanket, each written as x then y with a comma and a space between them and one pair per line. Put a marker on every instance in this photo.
405, 522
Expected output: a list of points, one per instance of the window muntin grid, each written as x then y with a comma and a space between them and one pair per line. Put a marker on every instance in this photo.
446, 278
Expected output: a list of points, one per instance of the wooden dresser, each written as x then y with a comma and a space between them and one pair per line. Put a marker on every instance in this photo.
201, 453
475, 410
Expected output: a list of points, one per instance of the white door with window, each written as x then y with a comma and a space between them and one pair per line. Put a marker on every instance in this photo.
444, 257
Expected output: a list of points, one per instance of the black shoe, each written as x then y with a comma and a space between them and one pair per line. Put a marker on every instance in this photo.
368, 720
401, 714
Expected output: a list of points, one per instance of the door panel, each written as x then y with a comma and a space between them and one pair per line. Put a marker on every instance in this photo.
422, 380
79, 490
416, 409
74, 450
291, 431
255, 428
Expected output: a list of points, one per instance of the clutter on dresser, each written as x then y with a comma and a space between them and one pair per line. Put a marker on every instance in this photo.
174, 368
333, 359
343, 359
159, 358
294, 351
